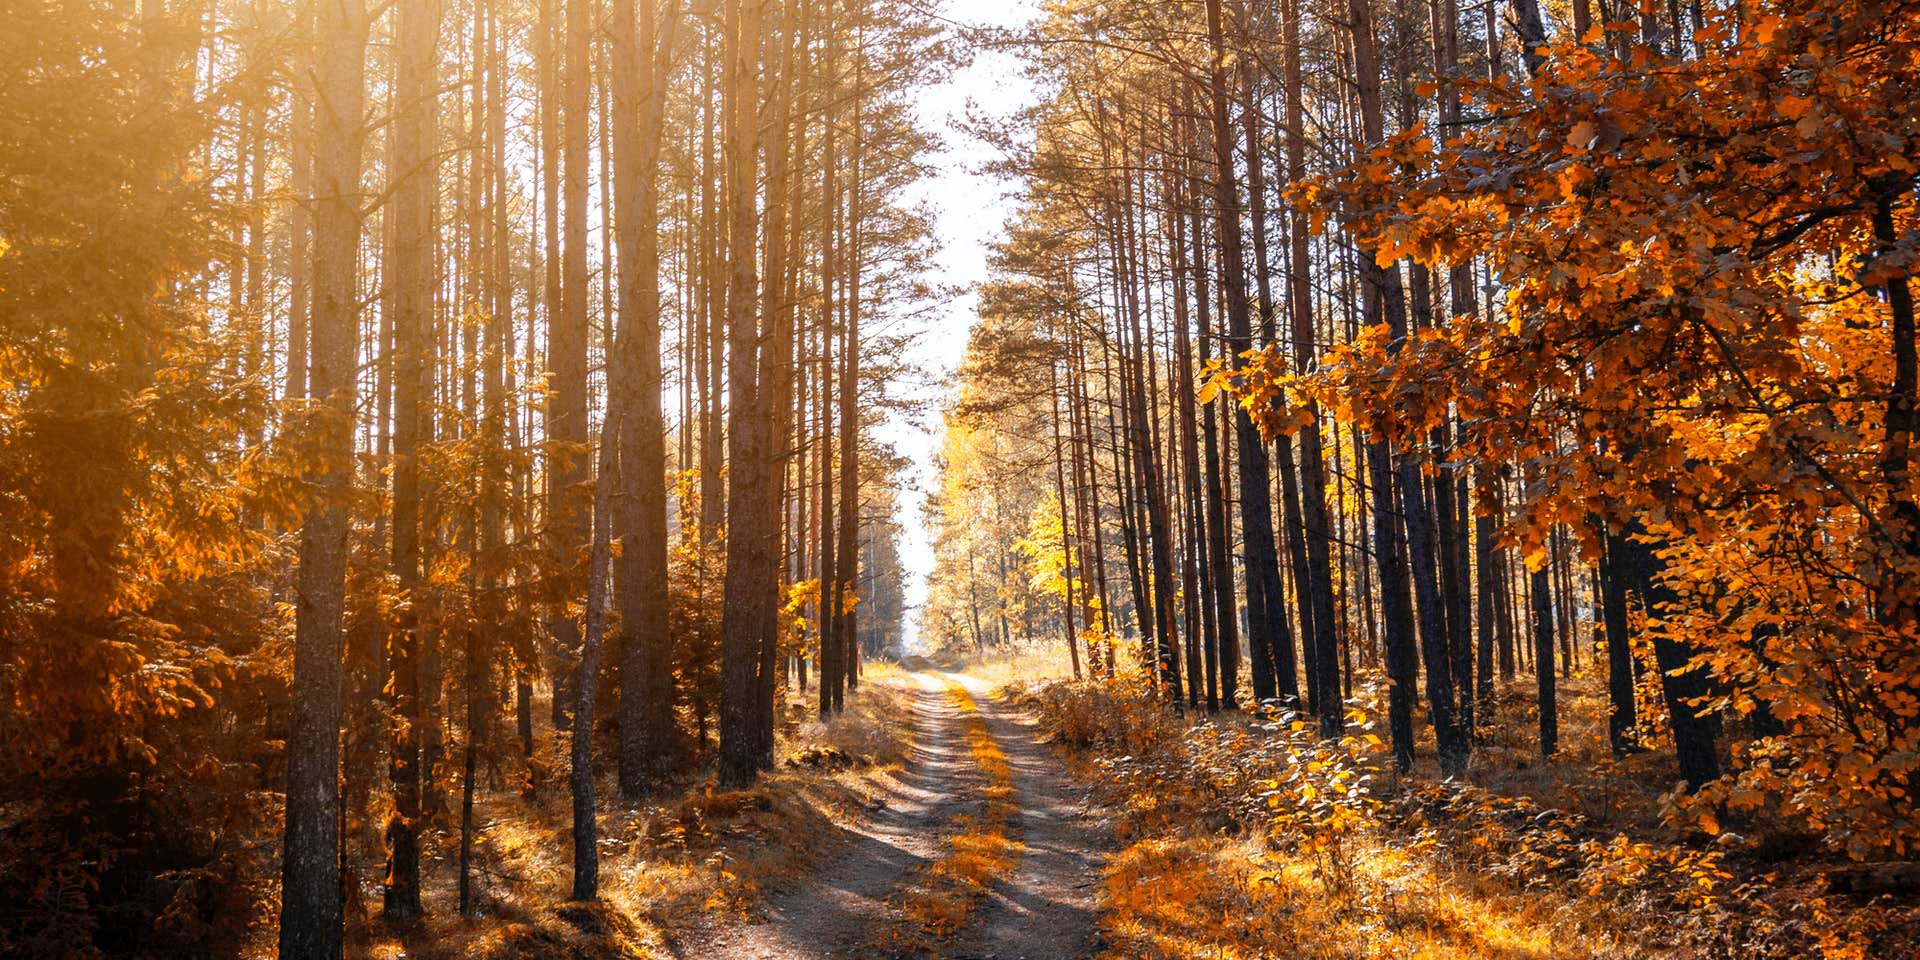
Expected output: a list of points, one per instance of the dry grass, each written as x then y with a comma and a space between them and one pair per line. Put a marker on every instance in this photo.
1023, 665
1183, 896
1226, 821
687, 856
871, 729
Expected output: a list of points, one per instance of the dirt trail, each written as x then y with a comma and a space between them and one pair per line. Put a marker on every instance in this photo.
1044, 910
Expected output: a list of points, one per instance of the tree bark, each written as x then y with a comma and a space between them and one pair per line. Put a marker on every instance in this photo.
641, 67
750, 541
1317, 530
586, 843
1264, 592
312, 912
413, 171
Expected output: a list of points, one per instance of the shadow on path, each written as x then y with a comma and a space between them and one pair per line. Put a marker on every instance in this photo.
1045, 909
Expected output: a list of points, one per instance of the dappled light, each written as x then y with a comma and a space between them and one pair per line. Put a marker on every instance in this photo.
1105, 479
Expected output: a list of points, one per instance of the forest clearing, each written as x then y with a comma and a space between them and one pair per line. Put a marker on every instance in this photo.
1108, 479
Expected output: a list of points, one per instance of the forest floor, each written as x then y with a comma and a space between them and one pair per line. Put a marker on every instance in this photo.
1240, 836
978, 846
986, 811
931, 819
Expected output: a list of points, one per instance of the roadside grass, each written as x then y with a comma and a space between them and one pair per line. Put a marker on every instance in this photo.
1021, 665
689, 855
1251, 837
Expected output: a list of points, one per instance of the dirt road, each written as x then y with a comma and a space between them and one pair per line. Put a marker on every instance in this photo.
1043, 911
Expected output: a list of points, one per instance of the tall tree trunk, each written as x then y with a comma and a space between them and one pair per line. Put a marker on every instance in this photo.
1486, 590
750, 543
1066, 539
1198, 593
1226, 619
413, 171
1542, 594
1318, 583
490, 164
311, 913
1158, 553
1383, 299
1264, 593
832, 674
300, 173
1296, 548
641, 67
846, 615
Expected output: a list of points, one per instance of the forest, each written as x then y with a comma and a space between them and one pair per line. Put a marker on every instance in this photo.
532, 479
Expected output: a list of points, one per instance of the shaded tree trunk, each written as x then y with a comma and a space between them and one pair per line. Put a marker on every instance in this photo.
586, 842
1264, 593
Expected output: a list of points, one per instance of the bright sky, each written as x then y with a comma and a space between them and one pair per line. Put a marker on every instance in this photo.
971, 208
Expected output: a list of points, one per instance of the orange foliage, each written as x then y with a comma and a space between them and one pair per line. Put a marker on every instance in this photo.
1691, 331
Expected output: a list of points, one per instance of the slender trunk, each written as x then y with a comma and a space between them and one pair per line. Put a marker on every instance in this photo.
1158, 554
1199, 593
1264, 593
1226, 619
843, 580
750, 541
1066, 541
1396, 480
410, 261
300, 175
586, 843
1317, 584
1327, 707
1621, 714
1486, 584
1542, 594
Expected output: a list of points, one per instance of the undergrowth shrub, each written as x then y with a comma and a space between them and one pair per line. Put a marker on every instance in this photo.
1327, 802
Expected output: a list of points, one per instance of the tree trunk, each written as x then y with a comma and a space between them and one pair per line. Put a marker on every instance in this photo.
1542, 595
1318, 583
1264, 592
1396, 482
411, 282
646, 669
311, 912
847, 616
586, 843
750, 541
1694, 734
1226, 619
